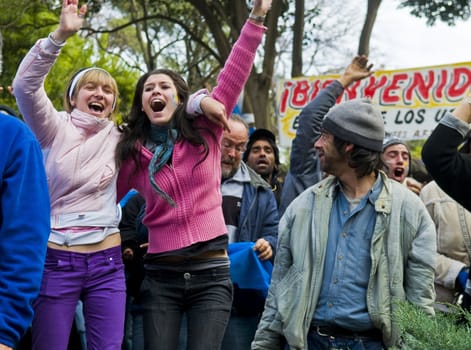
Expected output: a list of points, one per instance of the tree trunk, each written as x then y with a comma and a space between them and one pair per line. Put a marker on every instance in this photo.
371, 13
298, 31
257, 90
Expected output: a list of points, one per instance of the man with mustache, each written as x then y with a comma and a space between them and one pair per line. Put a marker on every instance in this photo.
349, 248
251, 215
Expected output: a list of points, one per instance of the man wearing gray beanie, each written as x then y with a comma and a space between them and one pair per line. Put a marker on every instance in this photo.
349, 247
357, 121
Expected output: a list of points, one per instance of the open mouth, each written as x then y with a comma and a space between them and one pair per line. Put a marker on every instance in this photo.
96, 107
398, 172
262, 162
157, 105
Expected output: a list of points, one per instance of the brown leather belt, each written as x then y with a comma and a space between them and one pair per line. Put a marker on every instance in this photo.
340, 332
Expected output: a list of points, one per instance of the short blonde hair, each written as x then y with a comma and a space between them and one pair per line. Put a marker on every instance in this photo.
84, 76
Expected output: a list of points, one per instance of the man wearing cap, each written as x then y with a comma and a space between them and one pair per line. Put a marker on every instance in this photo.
304, 169
396, 159
349, 247
263, 156
251, 215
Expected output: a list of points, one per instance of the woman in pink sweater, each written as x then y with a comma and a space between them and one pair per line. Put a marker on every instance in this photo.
174, 162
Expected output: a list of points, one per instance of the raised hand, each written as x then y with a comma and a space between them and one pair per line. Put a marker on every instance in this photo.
71, 20
261, 7
357, 69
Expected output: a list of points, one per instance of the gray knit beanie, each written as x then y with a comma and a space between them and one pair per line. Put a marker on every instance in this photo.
357, 121
393, 140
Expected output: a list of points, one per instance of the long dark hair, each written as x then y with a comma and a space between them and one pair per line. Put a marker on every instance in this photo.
362, 160
136, 126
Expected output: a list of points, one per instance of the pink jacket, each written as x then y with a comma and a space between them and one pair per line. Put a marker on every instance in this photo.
195, 188
78, 148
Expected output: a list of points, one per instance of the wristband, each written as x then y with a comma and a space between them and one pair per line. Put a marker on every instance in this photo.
193, 107
54, 41
259, 19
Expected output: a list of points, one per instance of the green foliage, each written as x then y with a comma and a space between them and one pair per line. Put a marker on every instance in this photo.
445, 331
415, 147
447, 11
24, 22
167, 34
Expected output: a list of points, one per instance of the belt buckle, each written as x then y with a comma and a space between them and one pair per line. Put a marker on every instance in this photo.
318, 330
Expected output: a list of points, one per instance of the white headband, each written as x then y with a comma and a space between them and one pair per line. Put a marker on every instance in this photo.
79, 75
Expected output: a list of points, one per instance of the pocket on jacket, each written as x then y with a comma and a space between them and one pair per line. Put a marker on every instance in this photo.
106, 177
289, 289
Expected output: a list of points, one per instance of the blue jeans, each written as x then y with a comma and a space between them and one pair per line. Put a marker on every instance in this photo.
240, 332
95, 278
316, 341
204, 296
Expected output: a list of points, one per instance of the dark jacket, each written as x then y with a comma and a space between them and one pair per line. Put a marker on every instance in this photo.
305, 169
132, 236
258, 219
258, 213
450, 168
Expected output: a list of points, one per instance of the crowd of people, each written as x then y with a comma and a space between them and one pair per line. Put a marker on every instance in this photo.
178, 229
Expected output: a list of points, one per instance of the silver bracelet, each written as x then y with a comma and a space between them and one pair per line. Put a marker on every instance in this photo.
54, 41
259, 19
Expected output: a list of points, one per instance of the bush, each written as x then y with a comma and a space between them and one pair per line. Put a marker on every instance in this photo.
445, 331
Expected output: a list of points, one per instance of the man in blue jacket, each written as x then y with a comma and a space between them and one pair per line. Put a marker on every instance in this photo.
24, 227
251, 215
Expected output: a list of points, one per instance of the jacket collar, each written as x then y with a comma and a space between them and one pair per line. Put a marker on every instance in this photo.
89, 123
383, 203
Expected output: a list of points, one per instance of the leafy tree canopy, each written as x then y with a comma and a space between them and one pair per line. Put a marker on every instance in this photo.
447, 11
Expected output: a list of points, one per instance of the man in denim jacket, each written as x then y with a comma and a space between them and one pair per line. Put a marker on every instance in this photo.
349, 247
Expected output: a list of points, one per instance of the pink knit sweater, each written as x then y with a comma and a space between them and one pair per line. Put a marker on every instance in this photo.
195, 188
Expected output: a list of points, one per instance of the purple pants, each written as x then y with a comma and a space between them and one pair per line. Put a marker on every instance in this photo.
96, 278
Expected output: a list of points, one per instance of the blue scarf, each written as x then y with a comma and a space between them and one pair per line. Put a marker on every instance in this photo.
162, 152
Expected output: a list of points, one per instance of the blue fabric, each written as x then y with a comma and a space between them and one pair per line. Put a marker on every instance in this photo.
305, 169
247, 270
163, 138
125, 199
463, 278
342, 300
258, 212
24, 226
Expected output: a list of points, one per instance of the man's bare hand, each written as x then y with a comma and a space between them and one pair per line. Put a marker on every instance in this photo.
263, 247
358, 69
